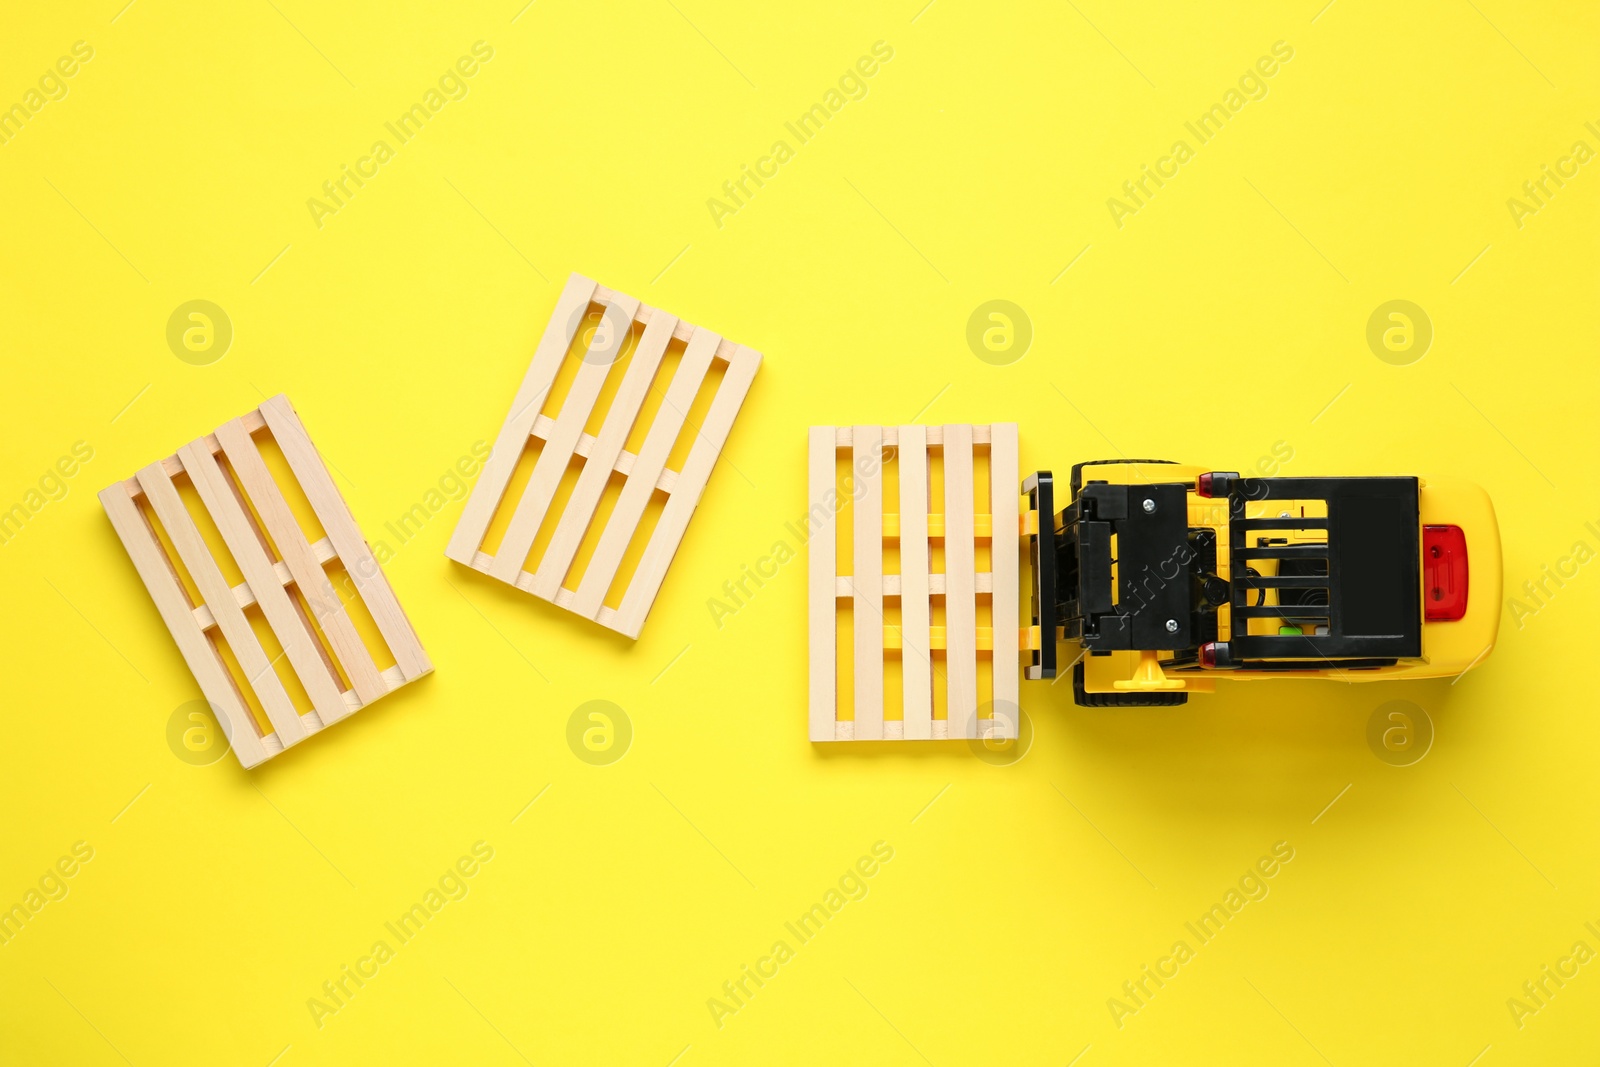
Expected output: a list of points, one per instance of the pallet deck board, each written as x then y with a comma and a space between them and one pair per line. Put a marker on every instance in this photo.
914, 586
961, 594
866, 461
821, 584
1005, 509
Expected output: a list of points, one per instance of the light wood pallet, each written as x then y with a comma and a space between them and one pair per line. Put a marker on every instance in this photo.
563, 437
960, 527
289, 586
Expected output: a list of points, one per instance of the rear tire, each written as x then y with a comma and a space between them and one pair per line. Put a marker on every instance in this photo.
1076, 482
1085, 699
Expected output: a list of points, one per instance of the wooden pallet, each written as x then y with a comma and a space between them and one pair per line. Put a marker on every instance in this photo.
284, 578
563, 437
970, 714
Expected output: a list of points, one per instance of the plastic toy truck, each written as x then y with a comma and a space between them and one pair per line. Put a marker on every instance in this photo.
1157, 579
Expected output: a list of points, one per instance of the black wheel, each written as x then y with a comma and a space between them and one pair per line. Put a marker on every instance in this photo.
1086, 699
1077, 469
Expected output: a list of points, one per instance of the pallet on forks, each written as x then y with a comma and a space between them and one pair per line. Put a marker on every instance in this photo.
896, 615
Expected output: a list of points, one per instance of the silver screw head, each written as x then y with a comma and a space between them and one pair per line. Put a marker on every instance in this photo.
1172, 626
1149, 506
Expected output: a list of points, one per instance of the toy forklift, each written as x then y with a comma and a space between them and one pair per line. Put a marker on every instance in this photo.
1160, 578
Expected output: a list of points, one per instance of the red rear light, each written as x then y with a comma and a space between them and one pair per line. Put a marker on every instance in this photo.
1444, 572
1208, 655
1202, 485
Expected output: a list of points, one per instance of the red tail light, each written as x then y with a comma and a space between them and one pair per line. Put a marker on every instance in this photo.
1444, 572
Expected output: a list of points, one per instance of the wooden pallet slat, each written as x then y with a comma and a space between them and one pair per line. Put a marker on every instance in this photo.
916, 660
866, 471
562, 437
983, 582
937, 638
960, 597
1005, 509
822, 607
969, 713
253, 517
934, 435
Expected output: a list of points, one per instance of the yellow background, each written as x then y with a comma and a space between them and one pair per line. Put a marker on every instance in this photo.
1221, 319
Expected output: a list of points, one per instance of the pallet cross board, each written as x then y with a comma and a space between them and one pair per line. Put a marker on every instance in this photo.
284, 579
918, 589
562, 438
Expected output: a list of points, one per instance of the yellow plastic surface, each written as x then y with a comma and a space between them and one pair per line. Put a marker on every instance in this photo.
1024, 896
